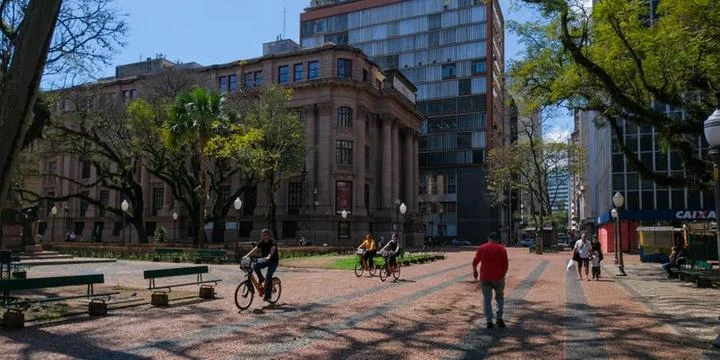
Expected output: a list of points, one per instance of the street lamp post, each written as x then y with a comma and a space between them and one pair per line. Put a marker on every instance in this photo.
441, 230
175, 217
618, 200
53, 212
712, 135
344, 215
237, 204
403, 210
124, 206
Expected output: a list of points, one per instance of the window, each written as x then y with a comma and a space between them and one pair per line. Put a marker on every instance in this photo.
222, 84
84, 204
232, 83
248, 79
478, 67
104, 200
157, 200
448, 71
258, 78
294, 198
52, 167
367, 197
464, 86
451, 184
283, 74
378, 84
344, 116
129, 94
344, 69
85, 169
313, 70
365, 75
298, 72
343, 152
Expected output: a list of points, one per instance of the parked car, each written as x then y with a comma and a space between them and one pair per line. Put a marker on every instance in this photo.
527, 242
460, 242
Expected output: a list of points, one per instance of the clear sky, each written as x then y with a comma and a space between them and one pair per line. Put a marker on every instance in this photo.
220, 31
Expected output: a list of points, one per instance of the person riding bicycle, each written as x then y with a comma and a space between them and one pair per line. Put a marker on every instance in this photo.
270, 259
370, 249
391, 248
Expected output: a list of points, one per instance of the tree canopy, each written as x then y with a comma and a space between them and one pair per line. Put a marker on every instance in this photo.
625, 63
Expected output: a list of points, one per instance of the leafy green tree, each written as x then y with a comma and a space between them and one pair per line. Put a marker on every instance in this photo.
195, 118
624, 64
270, 139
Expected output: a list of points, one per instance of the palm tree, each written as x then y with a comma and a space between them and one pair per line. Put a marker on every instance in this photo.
192, 121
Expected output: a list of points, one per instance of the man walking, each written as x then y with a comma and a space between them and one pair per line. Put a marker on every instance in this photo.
493, 261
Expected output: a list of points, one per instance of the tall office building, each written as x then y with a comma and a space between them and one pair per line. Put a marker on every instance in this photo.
452, 50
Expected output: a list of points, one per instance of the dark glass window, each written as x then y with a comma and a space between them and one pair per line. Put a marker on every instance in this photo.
344, 116
232, 83
632, 181
52, 167
632, 200
344, 69
298, 72
248, 79
478, 67
258, 78
157, 200
618, 163
451, 184
313, 70
646, 143
647, 160
663, 200
294, 198
283, 74
365, 75
86, 169
618, 181
661, 161
105, 200
631, 141
367, 157
675, 161
648, 201
464, 86
84, 204
448, 71
343, 152
693, 200
678, 199
435, 21
708, 201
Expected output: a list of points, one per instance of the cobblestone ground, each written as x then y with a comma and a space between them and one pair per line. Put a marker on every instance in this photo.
433, 312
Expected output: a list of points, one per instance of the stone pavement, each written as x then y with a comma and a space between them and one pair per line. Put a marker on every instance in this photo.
433, 312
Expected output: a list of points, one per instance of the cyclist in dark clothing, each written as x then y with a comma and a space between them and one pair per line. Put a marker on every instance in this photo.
391, 248
269, 259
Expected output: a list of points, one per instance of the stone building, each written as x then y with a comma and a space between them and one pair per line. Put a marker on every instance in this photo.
362, 150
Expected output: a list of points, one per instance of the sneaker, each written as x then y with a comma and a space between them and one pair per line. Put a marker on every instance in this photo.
490, 325
500, 323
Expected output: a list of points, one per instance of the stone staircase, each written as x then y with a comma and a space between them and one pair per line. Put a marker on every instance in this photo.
42, 258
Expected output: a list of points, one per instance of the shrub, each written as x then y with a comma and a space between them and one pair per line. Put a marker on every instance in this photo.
159, 235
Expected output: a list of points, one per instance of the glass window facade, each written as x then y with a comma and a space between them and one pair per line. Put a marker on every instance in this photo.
343, 152
313, 70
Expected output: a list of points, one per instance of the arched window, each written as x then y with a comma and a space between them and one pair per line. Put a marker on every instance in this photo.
344, 116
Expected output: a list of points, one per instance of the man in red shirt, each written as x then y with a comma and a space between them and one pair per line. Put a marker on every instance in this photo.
493, 261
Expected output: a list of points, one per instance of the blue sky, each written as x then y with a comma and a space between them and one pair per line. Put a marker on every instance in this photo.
219, 31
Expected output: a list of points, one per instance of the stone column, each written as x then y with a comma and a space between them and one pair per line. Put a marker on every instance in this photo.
386, 176
395, 165
408, 170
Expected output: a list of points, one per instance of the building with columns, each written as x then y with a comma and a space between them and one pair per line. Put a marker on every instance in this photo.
453, 51
362, 152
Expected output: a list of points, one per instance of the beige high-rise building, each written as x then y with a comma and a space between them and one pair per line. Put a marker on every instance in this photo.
362, 133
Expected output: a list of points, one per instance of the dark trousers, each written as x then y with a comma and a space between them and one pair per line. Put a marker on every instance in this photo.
271, 265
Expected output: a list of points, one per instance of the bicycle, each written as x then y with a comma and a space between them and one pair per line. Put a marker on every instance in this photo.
386, 270
245, 292
361, 265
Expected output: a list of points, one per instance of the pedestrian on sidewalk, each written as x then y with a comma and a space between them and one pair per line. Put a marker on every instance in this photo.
493, 260
597, 247
582, 252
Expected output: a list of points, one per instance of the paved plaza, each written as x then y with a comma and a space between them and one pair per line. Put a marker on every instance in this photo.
433, 312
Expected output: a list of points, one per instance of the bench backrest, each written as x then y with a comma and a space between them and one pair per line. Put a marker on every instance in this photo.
190, 270
211, 252
168, 251
702, 265
50, 282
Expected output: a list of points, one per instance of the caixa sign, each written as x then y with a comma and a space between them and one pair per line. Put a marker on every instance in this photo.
695, 214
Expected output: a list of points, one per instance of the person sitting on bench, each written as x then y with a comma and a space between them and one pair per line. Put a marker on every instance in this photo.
677, 257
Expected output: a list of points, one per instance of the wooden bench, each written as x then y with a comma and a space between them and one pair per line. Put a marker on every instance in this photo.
209, 254
160, 298
14, 317
161, 253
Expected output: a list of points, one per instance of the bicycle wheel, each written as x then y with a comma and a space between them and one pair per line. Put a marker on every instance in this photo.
396, 270
371, 269
358, 269
244, 295
276, 290
384, 272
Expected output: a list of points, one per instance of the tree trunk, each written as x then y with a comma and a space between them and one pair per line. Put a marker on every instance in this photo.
19, 86
202, 193
271, 212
